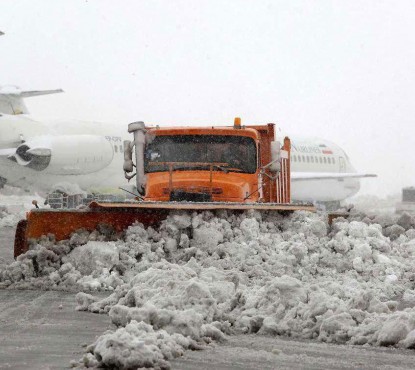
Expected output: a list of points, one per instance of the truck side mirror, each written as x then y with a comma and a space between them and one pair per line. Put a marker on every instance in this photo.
128, 156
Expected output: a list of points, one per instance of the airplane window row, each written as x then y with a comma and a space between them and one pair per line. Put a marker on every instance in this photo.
312, 159
90, 159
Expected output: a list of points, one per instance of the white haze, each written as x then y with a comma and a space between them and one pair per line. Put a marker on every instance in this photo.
342, 70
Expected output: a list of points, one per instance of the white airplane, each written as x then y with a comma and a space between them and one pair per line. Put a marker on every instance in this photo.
35, 155
321, 172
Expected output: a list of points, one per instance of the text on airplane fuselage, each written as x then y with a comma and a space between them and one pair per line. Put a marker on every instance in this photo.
306, 149
113, 138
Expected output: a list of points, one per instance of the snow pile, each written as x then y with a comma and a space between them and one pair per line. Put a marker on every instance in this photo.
139, 345
201, 276
87, 261
393, 225
268, 275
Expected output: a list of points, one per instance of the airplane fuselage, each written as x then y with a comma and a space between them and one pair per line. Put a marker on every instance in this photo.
315, 155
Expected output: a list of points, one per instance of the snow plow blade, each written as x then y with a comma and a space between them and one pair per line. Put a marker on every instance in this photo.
62, 223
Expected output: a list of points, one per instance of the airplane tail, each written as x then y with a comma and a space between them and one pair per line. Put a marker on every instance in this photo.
11, 99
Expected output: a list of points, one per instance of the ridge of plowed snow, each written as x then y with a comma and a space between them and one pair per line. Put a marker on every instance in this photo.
202, 276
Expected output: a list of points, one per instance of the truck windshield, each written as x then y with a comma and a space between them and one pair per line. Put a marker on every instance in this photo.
237, 152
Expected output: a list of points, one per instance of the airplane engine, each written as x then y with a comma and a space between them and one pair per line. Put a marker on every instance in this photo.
65, 154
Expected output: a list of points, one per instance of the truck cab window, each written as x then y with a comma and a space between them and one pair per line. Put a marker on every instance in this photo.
238, 152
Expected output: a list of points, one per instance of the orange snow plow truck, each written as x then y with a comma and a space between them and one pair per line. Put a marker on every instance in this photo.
232, 168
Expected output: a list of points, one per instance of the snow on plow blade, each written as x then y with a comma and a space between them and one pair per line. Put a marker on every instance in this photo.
62, 223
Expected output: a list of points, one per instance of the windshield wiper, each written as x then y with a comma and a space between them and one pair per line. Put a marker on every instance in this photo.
224, 169
189, 168
200, 168
234, 169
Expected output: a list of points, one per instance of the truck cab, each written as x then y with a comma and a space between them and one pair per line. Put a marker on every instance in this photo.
219, 164
235, 164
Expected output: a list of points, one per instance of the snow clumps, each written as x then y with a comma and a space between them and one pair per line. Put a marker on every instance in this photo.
87, 261
202, 276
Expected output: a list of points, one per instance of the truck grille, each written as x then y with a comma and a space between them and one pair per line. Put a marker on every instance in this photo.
184, 196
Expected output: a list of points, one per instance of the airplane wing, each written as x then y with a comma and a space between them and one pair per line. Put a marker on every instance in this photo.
27, 94
304, 176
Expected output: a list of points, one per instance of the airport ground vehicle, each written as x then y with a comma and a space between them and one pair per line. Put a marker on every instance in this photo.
232, 168
407, 204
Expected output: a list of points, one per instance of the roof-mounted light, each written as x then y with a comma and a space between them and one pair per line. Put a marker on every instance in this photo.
237, 123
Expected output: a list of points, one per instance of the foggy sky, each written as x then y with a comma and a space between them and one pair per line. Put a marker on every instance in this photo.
341, 70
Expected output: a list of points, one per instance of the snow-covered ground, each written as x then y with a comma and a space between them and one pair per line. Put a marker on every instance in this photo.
371, 204
203, 276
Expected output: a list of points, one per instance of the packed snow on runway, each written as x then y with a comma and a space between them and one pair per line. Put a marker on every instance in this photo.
201, 277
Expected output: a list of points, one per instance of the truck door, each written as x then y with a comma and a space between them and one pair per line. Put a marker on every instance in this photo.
342, 164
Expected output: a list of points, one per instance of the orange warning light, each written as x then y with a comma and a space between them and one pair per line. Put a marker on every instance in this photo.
237, 122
